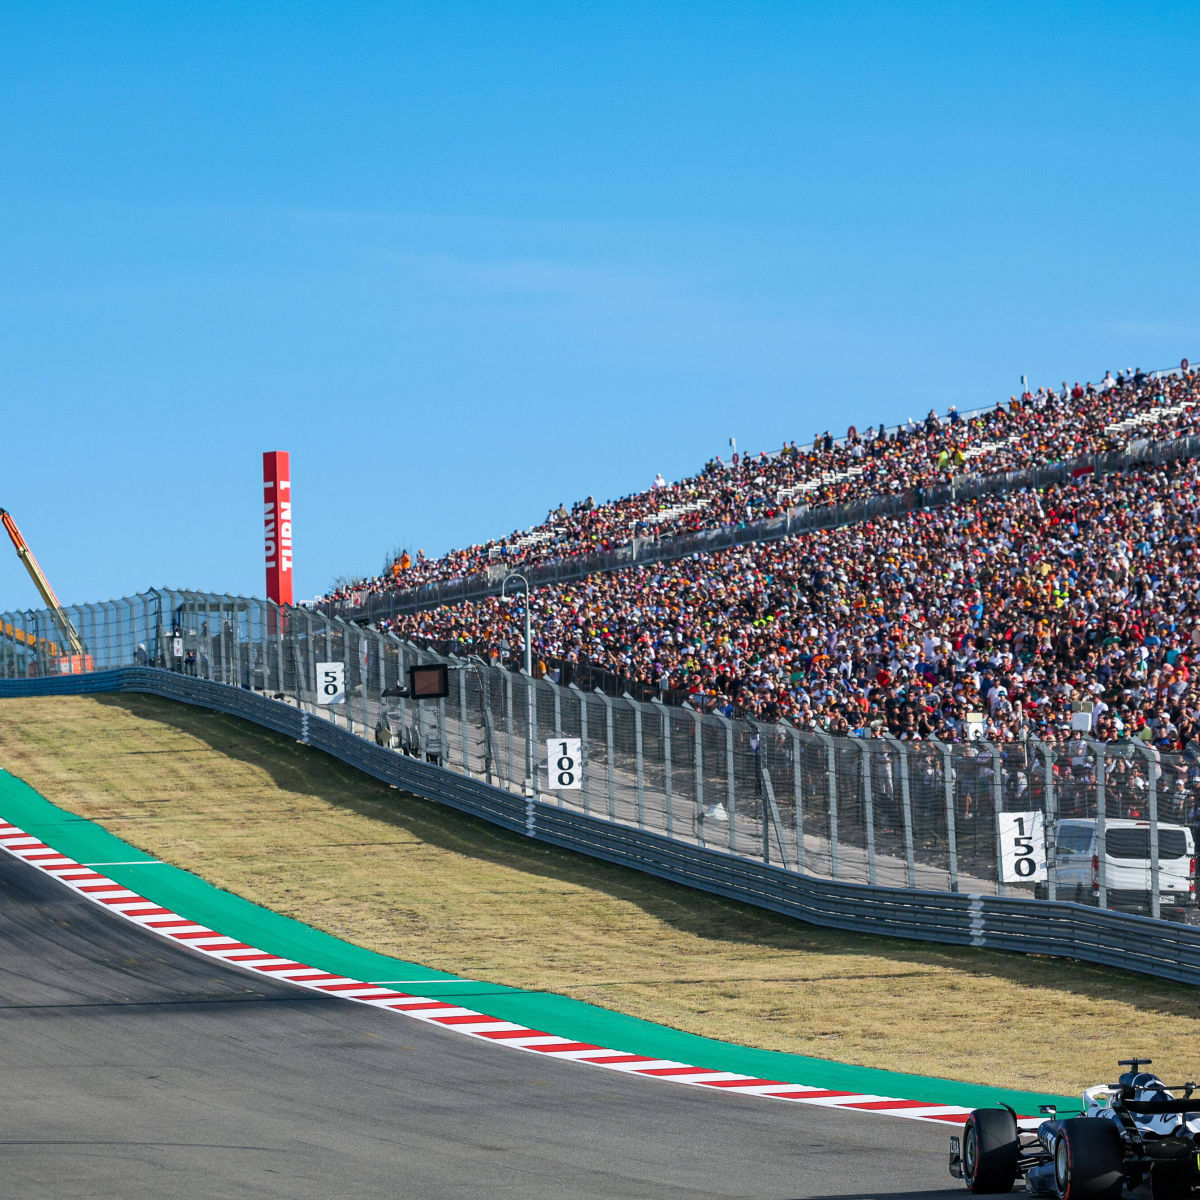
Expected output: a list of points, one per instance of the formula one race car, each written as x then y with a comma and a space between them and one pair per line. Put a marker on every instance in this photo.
1132, 1138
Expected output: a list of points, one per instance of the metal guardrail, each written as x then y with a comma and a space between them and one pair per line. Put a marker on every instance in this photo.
876, 810
1055, 928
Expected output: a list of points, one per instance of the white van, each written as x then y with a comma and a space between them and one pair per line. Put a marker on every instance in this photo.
1126, 865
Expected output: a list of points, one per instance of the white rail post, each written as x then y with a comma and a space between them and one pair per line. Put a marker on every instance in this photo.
730, 792
1098, 749
699, 767
608, 738
583, 748
464, 741
831, 779
531, 754
1152, 761
951, 821
665, 717
637, 741
906, 809
1050, 826
997, 809
797, 792
863, 745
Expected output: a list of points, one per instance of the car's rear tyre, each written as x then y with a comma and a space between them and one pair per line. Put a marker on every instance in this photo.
990, 1151
1168, 1181
1088, 1160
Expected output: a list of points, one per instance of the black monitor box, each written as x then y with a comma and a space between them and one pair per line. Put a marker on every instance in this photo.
429, 682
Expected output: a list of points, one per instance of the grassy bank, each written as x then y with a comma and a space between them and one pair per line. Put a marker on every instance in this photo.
298, 832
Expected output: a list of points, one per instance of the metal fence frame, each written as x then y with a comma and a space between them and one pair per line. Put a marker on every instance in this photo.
1156, 948
917, 815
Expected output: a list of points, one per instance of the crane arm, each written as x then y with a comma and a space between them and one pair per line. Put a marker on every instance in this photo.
41, 583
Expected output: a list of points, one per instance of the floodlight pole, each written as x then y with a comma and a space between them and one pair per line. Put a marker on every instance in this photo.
530, 751
528, 639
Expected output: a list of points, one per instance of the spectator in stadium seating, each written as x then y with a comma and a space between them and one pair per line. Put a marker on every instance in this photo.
1015, 606
1041, 427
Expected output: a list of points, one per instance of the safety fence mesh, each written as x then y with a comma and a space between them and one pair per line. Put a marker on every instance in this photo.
1112, 824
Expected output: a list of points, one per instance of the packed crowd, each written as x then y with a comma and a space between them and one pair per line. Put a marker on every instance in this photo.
1022, 607
1034, 429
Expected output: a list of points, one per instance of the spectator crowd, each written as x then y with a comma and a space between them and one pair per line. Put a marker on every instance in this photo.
1034, 429
1023, 607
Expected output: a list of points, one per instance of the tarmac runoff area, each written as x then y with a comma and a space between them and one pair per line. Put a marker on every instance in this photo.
138, 1067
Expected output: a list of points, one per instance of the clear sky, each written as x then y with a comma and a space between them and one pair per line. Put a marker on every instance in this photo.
465, 261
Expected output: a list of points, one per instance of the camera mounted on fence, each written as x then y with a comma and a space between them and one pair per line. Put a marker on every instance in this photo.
430, 682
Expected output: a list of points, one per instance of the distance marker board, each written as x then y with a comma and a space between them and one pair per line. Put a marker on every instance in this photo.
331, 683
564, 763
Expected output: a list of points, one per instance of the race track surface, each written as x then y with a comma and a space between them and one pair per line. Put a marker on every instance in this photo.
135, 1068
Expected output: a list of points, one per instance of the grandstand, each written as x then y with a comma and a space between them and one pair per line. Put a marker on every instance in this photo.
1018, 605
1036, 429
1024, 606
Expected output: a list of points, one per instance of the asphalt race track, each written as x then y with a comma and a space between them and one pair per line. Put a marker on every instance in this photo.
135, 1068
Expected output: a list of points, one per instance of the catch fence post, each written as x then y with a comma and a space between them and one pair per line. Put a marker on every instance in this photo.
699, 770
148, 622
730, 791
311, 660
491, 770
762, 783
508, 721
608, 737
583, 747
868, 807
831, 779
462, 715
997, 809
346, 707
235, 652
1152, 761
531, 750
264, 652
910, 867
99, 638
797, 793
951, 819
1050, 820
665, 718
637, 741
1098, 749
282, 618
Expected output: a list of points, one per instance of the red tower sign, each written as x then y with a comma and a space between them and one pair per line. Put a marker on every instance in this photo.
277, 524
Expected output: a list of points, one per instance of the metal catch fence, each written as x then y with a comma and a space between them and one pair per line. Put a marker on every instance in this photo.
1113, 825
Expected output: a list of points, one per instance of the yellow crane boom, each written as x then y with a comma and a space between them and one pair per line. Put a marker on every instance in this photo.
43, 585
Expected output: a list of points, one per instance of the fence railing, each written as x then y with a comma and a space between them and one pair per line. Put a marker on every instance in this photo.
380, 606
1158, 948
923, 816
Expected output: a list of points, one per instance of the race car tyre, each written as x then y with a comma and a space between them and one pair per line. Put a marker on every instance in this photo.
990, 1151
1168, 1181
1088, 1160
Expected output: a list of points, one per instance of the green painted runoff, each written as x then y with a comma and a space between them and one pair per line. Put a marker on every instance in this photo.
192, 897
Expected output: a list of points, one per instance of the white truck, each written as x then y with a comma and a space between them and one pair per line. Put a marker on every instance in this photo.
1126, 869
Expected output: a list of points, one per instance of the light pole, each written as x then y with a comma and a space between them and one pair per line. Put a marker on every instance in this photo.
530, 754
528, 646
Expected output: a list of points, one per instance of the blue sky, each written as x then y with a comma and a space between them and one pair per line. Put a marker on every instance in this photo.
465, 261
